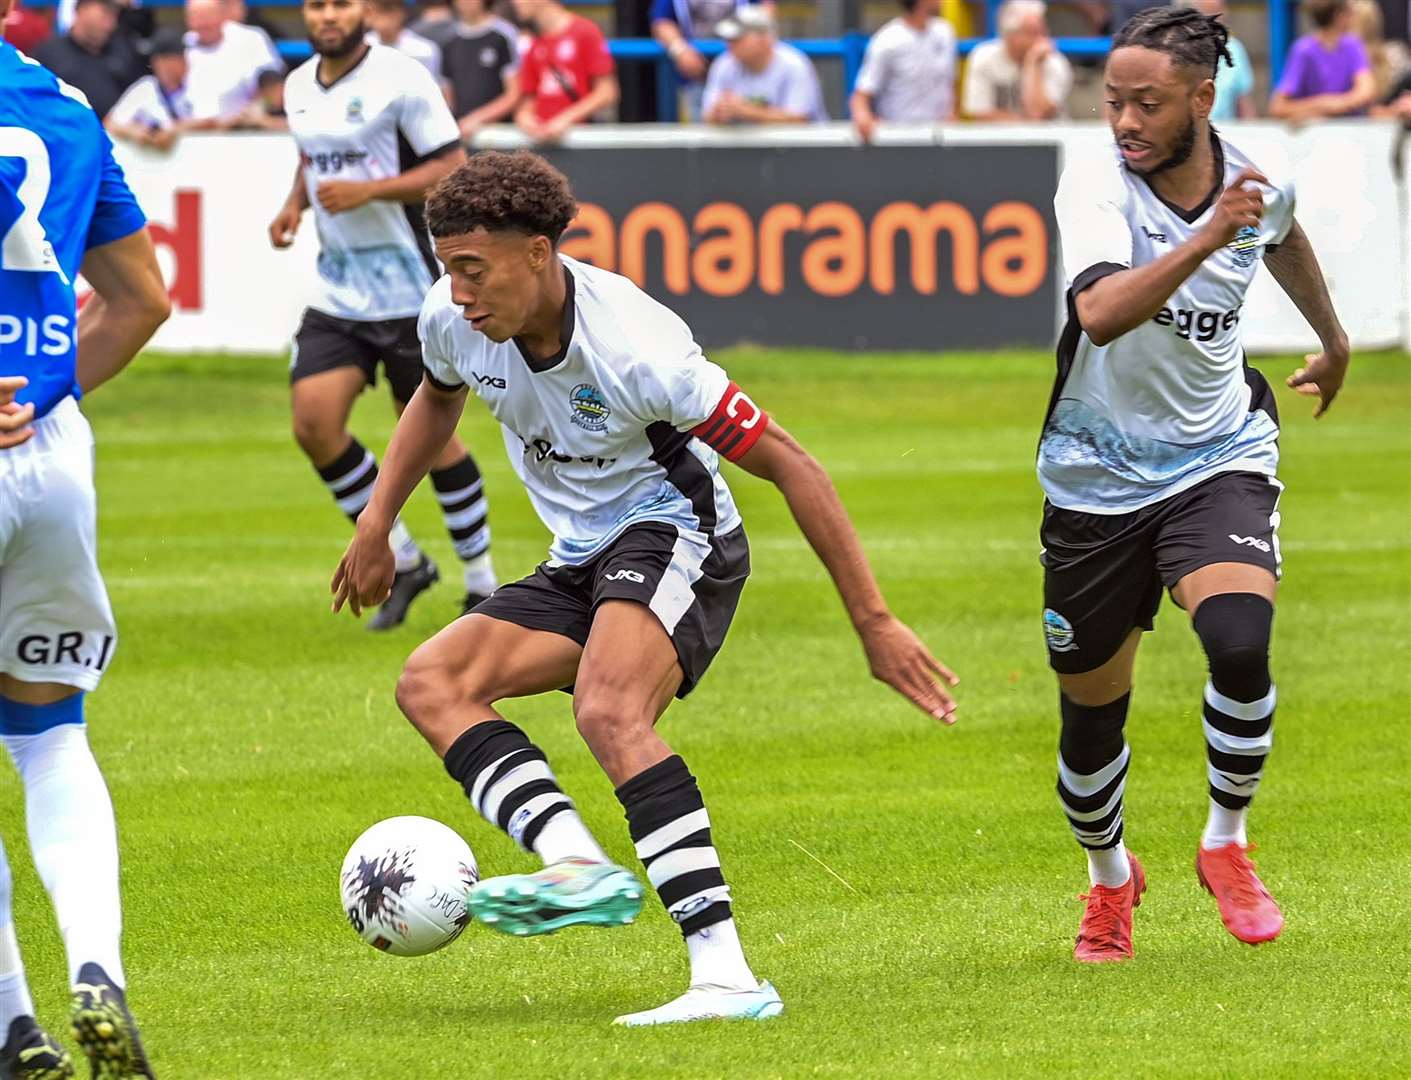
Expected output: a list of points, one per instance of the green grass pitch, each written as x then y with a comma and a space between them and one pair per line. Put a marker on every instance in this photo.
910, 889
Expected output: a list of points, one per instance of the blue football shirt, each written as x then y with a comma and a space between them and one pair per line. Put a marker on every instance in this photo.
61, 193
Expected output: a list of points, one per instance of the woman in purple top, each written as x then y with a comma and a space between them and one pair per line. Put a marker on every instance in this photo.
1327, 73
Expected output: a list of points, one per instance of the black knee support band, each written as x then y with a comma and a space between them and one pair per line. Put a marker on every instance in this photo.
1234, 629
1092, 734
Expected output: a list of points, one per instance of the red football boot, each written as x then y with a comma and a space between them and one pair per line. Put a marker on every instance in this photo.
1246, 908
1105, 933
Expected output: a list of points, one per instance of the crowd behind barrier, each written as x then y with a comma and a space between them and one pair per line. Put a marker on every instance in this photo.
792, 240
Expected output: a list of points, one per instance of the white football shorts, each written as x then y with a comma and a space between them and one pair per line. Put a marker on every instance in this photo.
56, 624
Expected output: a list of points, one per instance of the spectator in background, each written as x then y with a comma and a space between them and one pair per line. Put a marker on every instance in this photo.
1020, 75
94, 55
24, 29
908, 71
226, 59
266, 112
1327, 73
436, 22
481, 64
1234, 84
675, 23
387, 25
237, 11
568, 73
155, 109
760, 80
1389, 60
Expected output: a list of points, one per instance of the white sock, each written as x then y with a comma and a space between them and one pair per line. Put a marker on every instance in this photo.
717, 958
1109, 866
74, 840
14, 989
564, 836
404, 549
1224, 826
480, 575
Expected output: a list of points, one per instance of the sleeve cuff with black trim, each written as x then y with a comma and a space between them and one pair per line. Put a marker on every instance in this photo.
445, 388
1093, 274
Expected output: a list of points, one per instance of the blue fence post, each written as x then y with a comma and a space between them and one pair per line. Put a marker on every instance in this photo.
1281, 23
854, 49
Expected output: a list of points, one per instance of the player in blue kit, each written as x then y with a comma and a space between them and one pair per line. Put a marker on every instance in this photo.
64, 209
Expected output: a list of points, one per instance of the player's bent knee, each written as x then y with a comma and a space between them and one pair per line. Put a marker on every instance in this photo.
1234, 629
606, 720
425, 689
320, 440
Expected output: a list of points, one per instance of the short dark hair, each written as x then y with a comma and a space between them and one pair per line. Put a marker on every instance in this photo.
1323, 12
1184, 34
499, 192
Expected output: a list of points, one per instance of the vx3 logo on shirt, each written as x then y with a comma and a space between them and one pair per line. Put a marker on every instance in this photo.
1155, 237
626, 575
492, 381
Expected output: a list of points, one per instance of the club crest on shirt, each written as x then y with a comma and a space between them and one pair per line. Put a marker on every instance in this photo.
355, 110
589, 410
1059, 632
1245, 246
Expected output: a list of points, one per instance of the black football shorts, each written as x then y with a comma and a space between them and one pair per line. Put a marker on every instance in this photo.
324, 342
1104, 573
693, 590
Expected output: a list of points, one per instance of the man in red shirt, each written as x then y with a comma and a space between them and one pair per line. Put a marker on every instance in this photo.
567, 74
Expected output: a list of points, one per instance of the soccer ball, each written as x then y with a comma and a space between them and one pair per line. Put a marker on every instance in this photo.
404, 885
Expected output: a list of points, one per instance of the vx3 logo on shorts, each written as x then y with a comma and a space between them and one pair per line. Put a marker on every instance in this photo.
1250, 541
492, 381
626, 575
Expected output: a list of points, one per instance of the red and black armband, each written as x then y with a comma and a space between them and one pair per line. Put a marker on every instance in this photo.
735, 426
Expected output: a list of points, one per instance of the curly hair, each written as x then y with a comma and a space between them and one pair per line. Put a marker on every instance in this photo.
498, 192
1184, 34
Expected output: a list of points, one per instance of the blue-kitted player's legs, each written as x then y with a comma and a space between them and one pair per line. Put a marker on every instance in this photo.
57, 636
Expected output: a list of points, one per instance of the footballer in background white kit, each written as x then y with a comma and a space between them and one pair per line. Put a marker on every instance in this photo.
374, 133
616, 423
1159, 453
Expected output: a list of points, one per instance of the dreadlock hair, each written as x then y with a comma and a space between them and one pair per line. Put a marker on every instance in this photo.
1184, 34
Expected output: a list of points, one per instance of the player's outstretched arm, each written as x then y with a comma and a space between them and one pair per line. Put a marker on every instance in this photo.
364, 576
1122, 301
1296, 269
896, 655
129, 302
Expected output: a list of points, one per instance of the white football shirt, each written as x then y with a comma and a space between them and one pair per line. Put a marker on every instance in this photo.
224, 78
910, 73
600, 434
1170, 403
421, 49
383, 117
146, 104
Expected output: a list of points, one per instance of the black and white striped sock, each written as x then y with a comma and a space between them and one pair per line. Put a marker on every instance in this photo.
1238, 738
508, 780
671, 830
1235, 629
461, 492
349, 478
1093, 756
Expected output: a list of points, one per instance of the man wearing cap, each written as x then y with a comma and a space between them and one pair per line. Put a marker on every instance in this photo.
93, 56
760, 80
154, 109
675, 23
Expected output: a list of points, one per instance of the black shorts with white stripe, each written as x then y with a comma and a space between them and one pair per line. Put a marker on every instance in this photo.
692, 585
1104, 573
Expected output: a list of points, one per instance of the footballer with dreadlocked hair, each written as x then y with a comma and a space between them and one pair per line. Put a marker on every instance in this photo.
1159, 454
